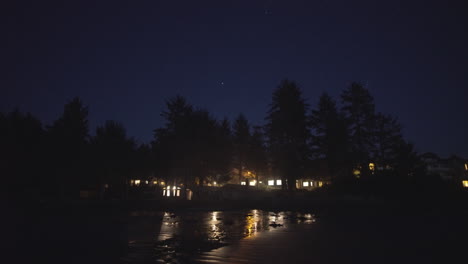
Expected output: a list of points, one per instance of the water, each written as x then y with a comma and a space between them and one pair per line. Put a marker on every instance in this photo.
256, 236
185, 237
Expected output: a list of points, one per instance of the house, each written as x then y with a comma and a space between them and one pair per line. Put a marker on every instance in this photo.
453, 169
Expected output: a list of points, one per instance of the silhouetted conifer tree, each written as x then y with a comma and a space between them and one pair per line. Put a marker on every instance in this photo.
113, 156
258, 159
359, 110
241, 141
68, 138
288, 133
330, 138
21, 156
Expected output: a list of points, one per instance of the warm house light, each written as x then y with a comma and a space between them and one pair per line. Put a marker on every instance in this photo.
305, 184
371, 166
214, 183
278, 182
243, 183
271, 182
320, 184
137, 182
465, 183
466, 166
155, 182
146, 182
253, 183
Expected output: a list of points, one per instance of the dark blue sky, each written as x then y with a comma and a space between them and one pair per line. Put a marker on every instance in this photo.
124, 59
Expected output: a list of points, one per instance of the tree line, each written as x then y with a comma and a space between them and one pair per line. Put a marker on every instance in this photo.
346, 136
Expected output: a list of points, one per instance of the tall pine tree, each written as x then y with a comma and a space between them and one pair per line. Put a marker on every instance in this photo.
288, 133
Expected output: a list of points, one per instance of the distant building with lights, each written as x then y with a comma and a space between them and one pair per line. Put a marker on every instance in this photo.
453, 169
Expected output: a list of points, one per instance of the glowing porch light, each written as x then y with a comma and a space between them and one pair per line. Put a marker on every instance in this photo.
214, 183
305, 184
146, 182
465, 183
271, 182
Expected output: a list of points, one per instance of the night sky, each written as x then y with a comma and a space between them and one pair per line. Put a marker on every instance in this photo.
124, 59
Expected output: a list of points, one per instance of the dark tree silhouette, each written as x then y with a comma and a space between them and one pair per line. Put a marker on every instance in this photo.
193, 147
171, 145
359, 110
387, 140
21, 156
257, 157
330, 138
113, 156
223, 156
241, 141
68, 138
288, 132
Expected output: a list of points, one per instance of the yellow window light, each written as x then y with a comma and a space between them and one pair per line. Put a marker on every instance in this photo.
465, 183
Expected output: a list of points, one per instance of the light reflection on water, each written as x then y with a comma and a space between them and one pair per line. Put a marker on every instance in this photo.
185, 234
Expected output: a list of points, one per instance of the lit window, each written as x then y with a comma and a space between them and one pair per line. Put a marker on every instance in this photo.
466, 166
371, 166
252, 183
320, 184
164, 192
305, 184
271, 182
155, 182
278, 182
465, 183
178, 193
132, 182
214, 183
137, 182
243, 183
146, 182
